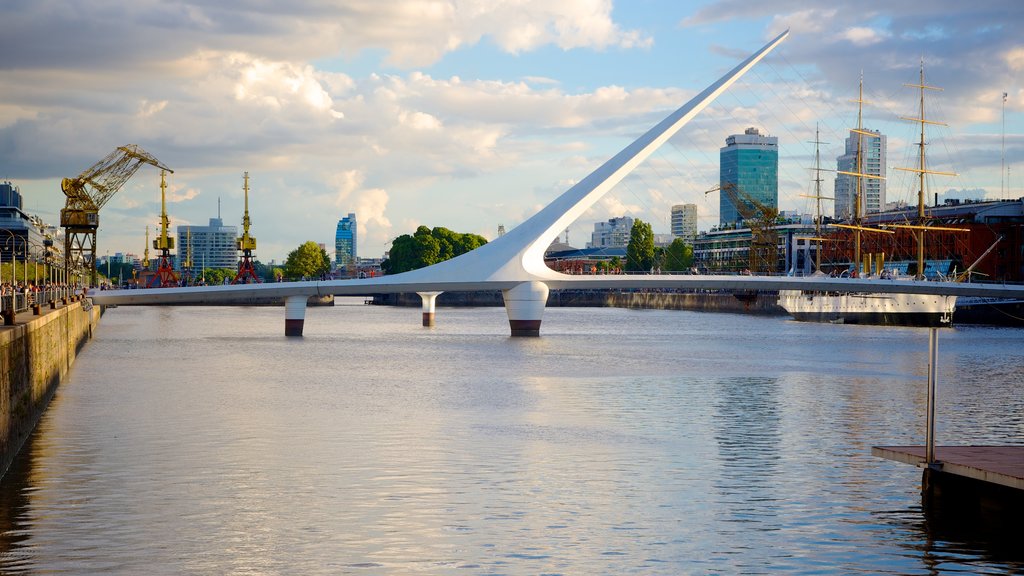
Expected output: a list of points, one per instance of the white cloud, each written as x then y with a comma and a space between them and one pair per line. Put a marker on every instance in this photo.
863, 36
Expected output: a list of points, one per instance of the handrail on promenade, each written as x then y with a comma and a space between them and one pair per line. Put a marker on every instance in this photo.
22, 300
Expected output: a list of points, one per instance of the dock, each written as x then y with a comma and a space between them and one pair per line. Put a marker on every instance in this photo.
984, 479
1003, 465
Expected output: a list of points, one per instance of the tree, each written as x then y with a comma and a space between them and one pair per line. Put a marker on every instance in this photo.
678, 256
215, 275
307, 261
640, 250
425, 247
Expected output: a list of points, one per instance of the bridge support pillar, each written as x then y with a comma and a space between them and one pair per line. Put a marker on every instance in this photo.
525, 306
429, 301
294, 315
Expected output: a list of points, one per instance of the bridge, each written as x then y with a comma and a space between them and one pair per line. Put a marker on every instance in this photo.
514, 263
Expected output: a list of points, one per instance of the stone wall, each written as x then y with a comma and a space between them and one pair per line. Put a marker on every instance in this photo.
35, 355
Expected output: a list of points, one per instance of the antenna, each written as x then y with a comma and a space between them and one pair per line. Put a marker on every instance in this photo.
1002, 166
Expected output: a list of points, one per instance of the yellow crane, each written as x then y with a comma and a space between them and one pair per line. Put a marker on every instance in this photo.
246, 244
761, 219
87, 193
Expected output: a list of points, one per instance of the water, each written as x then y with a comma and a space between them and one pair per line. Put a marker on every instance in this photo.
202, 441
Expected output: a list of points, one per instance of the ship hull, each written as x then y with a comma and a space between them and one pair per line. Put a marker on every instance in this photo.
874, 309
991, 311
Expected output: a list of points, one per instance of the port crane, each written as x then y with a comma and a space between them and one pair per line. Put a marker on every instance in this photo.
87, 193
165, 276
246, 244
761, 219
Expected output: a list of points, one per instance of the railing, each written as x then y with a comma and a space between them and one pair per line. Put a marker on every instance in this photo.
22, 300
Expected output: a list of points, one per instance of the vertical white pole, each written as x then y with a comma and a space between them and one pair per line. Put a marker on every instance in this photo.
933, 356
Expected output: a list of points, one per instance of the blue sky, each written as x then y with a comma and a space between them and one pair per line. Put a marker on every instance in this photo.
470, 114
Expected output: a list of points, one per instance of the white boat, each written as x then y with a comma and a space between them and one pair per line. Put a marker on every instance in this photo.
874, 308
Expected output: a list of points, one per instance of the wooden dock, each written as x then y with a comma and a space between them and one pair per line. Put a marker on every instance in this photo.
1003, 465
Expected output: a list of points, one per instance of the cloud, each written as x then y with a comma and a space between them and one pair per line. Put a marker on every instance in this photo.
863, 36
130, 35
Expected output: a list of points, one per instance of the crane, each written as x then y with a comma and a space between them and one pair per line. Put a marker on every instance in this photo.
761, 219
88, 192
164, 243
246, 244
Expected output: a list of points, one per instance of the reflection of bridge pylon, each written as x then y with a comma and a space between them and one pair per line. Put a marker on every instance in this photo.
246, 244
165, 276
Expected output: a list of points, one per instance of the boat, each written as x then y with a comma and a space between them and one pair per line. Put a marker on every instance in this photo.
873, 308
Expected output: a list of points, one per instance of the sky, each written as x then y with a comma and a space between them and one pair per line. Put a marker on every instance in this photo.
471, 114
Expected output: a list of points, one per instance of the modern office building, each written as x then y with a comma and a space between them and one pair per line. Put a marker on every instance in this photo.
213, 246
345, 238
750, 166
684, 221
873, 189
20, 235
611, 234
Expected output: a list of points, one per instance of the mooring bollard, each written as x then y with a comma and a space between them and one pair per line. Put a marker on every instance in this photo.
53, 304
8, 315
37, 309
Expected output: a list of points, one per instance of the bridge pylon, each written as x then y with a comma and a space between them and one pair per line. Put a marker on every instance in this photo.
525, 307
294, 314
429, 302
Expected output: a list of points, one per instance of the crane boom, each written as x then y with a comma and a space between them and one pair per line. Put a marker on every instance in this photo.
88, 192
97, 184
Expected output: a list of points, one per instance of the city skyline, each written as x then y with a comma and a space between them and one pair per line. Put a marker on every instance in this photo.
472, 119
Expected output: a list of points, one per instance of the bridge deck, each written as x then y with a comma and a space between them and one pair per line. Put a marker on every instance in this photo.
996, 464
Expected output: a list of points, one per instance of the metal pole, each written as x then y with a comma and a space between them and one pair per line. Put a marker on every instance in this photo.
933, 357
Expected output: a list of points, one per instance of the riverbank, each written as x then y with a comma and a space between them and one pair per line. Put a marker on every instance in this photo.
36, 353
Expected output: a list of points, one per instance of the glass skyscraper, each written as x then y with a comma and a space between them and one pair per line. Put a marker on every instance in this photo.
345, 242
749, 165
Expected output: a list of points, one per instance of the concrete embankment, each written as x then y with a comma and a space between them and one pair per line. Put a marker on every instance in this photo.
35, 355
741, 303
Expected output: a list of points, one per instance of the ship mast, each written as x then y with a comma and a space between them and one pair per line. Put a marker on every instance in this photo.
817, 196
921, 170
858, 174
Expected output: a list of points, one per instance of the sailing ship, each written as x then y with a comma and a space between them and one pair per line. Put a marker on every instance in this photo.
874, 308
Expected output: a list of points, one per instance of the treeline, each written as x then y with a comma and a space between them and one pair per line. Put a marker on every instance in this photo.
428, 246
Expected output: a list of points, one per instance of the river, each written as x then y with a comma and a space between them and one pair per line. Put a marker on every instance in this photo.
200, 440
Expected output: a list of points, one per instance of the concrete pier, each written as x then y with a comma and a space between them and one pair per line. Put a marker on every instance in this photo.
429, 307
294, 315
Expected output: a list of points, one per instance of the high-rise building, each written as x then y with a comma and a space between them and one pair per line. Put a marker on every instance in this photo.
23, 237
345, 242
684, 221
873, 189
611, 234
749, 165
213, 246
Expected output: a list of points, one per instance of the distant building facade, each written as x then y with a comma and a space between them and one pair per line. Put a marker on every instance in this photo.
22, 237
613, 233
750, 165
345, 242
873, 189
213, 246
684, 221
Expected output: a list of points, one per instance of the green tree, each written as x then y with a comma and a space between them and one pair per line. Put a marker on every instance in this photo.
678, 256
425, 247
307, 261
640, 250
216, 275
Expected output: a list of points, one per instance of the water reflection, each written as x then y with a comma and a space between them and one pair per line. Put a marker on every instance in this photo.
620, 442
